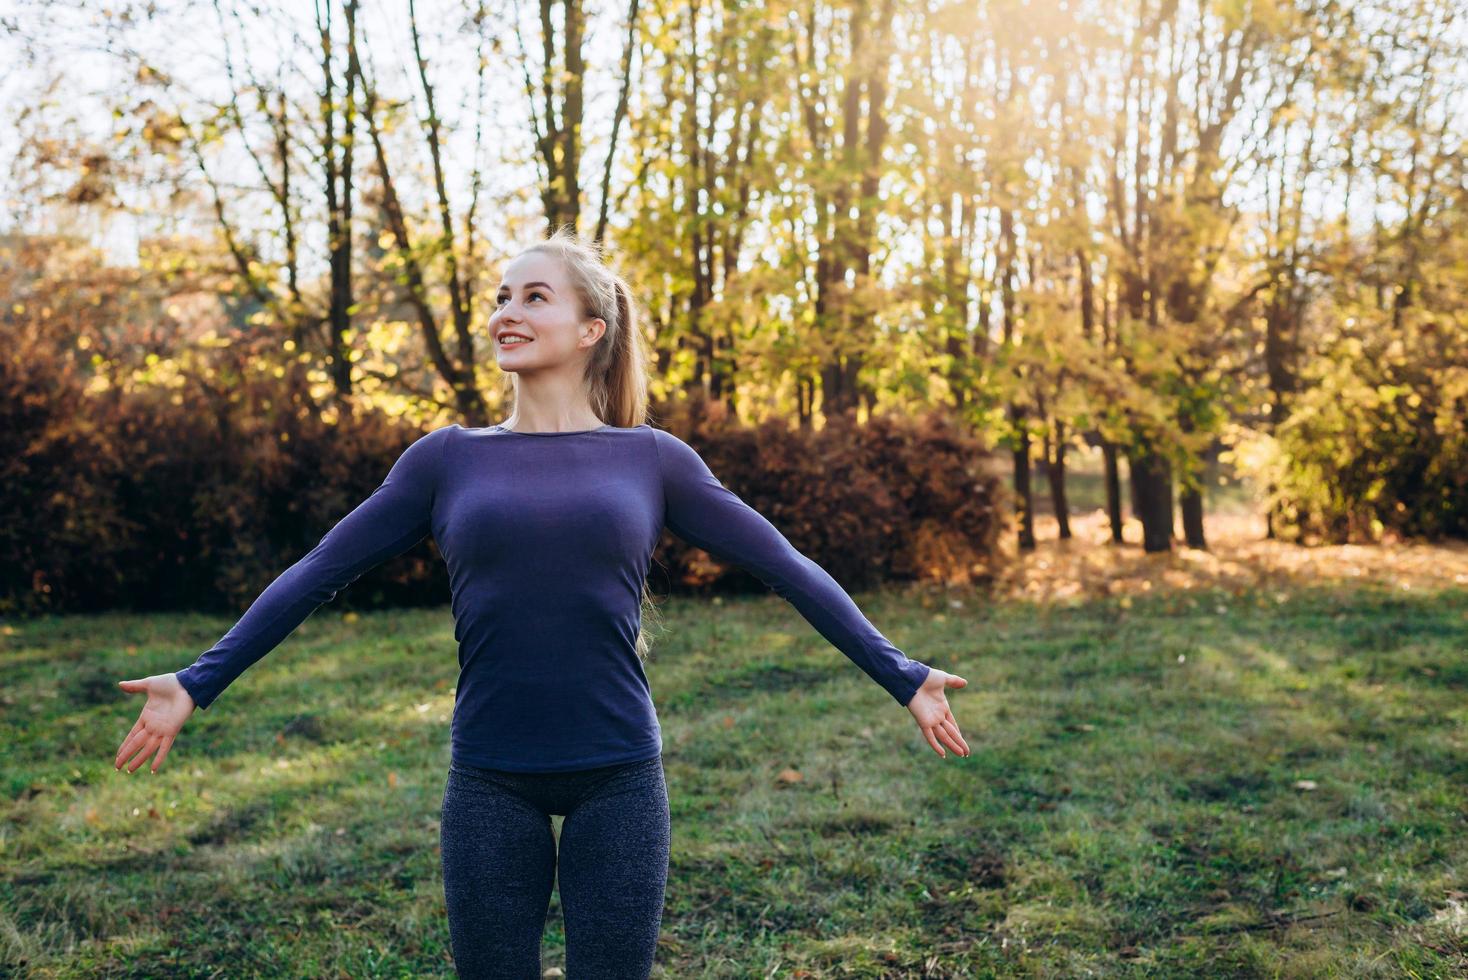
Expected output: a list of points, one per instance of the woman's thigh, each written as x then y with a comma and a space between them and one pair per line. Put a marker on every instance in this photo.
499, 861
613, 868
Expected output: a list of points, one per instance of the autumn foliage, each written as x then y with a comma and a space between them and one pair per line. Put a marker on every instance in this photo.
197, 496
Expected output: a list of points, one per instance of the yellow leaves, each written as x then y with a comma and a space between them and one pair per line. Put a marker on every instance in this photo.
1386, 394
161, 372
788, 777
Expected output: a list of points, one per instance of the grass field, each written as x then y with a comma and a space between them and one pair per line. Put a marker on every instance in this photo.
1249, 762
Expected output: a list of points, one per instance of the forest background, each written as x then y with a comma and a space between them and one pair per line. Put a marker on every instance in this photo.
1165, 235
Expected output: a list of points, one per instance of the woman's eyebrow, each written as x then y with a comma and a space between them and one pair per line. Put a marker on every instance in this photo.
530, 285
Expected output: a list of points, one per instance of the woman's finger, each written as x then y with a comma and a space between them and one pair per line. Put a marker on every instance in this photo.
928, 734
139, 735
133, 730
163, 752
948, 739
962, 741
952, 729
130, 743
149, 747
131, 755
145, 750
948, 716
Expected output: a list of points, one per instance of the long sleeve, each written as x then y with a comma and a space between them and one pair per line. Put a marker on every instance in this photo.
396, 516
703, 512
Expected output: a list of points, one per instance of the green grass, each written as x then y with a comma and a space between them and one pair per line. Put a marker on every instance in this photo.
1130, 807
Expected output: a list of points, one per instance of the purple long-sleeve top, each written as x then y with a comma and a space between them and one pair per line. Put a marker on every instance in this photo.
548, 537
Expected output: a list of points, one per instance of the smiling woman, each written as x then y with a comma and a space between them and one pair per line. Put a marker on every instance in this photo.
547, 524
552, 338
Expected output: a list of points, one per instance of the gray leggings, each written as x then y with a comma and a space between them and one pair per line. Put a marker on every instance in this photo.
499, 860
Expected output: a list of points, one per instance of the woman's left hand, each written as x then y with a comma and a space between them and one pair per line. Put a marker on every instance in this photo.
929, 707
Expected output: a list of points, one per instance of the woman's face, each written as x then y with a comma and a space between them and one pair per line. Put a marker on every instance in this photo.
536, 301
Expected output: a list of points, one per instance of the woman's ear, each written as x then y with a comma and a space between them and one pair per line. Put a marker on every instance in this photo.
596, 329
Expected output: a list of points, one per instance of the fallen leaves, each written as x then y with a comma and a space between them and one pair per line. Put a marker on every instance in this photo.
789, 776
1239, 560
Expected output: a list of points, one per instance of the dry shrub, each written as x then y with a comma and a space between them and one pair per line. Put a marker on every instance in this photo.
891, 499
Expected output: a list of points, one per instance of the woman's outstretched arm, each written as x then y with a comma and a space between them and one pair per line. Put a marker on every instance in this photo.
703, 512
396, 516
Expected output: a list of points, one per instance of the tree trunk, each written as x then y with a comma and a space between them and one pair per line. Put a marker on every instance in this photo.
558, 135
618, 115
1191, 501
1113, 490
338, 218
1056, 468
460, 376
1134, 486
1190, 493
1152, 488
1023, 493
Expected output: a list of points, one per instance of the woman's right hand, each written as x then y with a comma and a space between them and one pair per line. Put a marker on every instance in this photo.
167, 708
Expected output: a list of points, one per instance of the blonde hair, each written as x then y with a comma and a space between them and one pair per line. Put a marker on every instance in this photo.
617, 369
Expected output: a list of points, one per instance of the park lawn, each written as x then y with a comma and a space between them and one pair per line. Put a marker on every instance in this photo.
1202, 782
